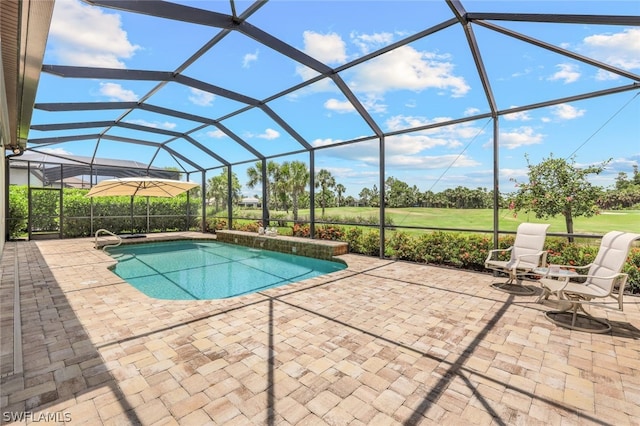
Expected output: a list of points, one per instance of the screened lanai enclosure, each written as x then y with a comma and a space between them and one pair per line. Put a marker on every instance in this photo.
311, 106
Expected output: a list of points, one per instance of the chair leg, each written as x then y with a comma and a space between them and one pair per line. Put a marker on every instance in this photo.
544, 296
514, 287
592, 324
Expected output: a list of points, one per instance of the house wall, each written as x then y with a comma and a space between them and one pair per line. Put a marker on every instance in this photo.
3, 201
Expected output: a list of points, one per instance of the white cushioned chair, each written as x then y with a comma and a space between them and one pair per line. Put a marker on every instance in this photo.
526, 254
597, 287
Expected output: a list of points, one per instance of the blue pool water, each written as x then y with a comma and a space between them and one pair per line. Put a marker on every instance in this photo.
197, 270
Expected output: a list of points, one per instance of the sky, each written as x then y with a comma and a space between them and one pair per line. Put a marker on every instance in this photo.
428, 81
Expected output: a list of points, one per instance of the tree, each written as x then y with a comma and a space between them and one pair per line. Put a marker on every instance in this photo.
254, 174
325, 181
217, 189
557, 186
365, 196
340, 189
297, 181
626, 193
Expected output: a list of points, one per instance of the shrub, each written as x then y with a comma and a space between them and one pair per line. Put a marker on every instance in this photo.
400, 246
301, 230
214, 224
632, 268
247, 226
469, 251
328, 232
370, 243
18, 211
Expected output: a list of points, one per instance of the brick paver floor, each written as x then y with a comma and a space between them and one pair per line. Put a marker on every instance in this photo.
379, 343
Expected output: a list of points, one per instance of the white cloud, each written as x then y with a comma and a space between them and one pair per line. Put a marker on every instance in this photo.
155, 124
217, 134
401, 152
83, 35
567, 73
526, 71
325, 142
200, 97
248, 58
339, 106
369, 42
371, 103
603, 75
517, 116
408, 69
326, 48
416, 143
508, 174
116, 92
56, 151
453, 132
471, 111
430, 162
619, 49
269, 134
522, 136
567, 112
407, 150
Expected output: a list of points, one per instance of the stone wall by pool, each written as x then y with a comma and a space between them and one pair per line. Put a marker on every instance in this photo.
320, 249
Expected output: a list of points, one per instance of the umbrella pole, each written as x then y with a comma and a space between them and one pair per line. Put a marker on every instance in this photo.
132, 215
148, 223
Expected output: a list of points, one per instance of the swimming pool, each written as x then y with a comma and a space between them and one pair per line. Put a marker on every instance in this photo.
198, 270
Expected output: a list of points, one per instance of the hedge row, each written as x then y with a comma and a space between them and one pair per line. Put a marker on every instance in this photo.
460, 250
112, 213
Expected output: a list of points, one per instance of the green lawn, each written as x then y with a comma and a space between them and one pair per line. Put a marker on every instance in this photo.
622, 220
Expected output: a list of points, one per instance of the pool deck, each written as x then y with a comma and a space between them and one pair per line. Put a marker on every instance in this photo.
379, 343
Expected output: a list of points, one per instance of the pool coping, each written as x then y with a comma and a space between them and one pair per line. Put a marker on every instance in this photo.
319, 249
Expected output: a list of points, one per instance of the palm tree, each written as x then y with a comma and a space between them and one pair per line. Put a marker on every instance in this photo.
216, 189
298, 181
254, 173
325, 181
255, 178
280, 186
340, 189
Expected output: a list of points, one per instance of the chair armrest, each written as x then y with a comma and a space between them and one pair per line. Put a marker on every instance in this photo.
492, 252
537, 257
571, 266
618, 276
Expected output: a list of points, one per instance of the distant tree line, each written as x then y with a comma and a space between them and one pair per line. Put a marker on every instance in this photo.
288, 190
626, 193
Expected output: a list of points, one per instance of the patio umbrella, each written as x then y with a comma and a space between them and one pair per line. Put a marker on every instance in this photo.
144, 186
140, 186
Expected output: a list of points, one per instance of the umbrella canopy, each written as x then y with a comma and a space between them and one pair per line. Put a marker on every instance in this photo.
144, 186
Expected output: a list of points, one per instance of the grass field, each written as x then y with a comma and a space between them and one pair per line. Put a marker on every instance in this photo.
621, 220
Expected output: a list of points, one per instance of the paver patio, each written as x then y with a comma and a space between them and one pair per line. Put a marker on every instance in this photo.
379, 343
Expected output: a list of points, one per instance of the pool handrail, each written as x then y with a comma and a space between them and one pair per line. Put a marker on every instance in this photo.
107, 245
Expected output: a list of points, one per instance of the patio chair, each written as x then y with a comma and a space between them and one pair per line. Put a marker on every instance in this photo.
596, 288
526, 254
